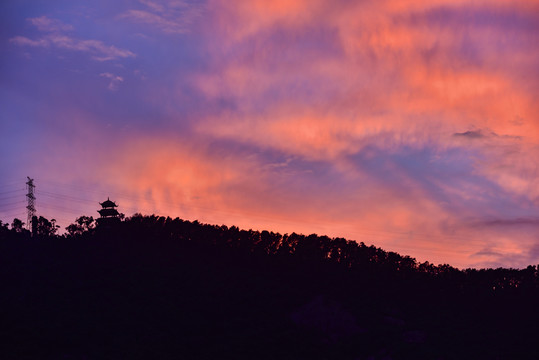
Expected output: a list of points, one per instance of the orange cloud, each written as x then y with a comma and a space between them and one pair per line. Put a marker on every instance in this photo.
391, 56
385, 122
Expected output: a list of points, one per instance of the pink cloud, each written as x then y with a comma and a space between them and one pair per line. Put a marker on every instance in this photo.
384, 69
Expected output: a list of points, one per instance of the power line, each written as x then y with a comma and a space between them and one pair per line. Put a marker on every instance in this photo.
10, 184
9, 210
13, 203
11, 191
14, 215
60, 208
66, 197
10, 197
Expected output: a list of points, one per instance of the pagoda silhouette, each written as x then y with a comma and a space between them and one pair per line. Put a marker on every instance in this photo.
108, 212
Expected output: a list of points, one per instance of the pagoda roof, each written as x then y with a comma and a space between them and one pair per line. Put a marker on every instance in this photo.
108, 212
108, 203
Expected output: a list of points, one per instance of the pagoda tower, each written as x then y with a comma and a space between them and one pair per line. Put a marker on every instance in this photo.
109, 214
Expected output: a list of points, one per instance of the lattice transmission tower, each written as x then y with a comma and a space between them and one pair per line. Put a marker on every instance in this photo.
31, 202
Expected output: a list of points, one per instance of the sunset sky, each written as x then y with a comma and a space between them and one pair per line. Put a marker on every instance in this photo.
410, 125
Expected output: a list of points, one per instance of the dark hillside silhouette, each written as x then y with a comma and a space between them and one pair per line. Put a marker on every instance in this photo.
156, 287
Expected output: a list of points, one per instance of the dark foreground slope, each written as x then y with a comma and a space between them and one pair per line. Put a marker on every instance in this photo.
143, 291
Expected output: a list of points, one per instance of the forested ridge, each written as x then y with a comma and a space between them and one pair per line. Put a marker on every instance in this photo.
156, 287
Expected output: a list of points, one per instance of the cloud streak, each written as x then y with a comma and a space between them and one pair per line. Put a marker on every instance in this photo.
46, 24
170, 16
56, 39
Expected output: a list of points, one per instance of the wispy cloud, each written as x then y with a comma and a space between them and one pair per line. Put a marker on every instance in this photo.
471, 134
115, 80
24, 41
485, 134
57, 39
512, 257
46, 24
509, 222
169, 16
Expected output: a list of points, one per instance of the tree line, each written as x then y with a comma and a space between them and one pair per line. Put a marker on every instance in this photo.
302, 249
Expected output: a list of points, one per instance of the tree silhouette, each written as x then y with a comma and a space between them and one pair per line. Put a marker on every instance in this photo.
46, 228
82, 225
17, 225
4, 230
